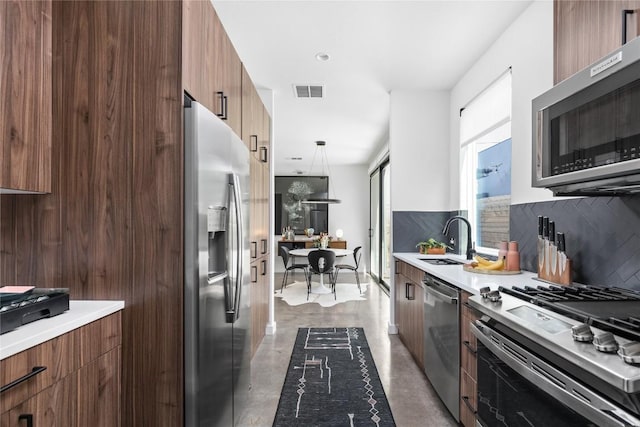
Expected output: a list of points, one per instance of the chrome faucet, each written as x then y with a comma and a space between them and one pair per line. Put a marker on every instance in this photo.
445, 231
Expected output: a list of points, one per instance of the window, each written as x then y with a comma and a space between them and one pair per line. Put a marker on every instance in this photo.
485, 153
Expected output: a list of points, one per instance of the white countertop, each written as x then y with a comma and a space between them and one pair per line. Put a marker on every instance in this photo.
79, 314
467, 281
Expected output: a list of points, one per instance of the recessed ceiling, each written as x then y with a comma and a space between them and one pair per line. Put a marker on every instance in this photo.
374, 48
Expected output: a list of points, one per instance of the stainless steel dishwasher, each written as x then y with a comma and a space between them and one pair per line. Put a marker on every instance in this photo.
442, 341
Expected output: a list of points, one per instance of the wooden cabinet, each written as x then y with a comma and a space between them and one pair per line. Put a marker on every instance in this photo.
80, 385
585, 31
255, 134
334, 244
259, 301
212, 71
112, 225
468, 363
409, 301
25, 96
56, 405
252, 115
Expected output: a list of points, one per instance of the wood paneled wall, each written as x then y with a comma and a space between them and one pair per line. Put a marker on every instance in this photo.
25, 95
112, 226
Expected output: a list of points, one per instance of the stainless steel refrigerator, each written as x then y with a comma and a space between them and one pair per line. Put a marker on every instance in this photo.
217, 317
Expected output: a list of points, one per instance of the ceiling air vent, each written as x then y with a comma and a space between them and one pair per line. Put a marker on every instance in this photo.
308, 91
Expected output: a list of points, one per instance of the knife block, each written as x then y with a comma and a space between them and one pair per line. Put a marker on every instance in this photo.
560, 279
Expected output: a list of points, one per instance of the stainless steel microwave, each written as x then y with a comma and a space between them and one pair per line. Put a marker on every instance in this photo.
586, 129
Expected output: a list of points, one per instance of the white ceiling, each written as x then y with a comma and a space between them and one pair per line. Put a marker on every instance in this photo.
374, 47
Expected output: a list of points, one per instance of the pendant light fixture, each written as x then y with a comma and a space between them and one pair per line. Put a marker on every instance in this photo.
320, 146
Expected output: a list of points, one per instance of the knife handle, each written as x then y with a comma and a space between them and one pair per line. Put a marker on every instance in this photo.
552, 231
540, 225
560, 241
545, 227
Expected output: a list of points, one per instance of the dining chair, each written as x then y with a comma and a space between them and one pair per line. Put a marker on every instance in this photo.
284, 253
322, 262
356, 257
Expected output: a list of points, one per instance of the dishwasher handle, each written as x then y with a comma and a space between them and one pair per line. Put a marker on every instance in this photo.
440, 295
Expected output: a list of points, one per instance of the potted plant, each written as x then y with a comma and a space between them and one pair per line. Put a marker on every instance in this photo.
322, 241
433, 247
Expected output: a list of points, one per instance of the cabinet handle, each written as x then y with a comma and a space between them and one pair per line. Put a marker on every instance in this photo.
35, 371
263, 267
28, 417
467, 305
468, 345
254, 274
223, 106
465, 399
254, 249
264, 246
410, 295
396, 268
625, 12
263, 154
253, 143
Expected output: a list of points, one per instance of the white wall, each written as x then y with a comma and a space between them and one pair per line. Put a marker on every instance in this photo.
527, 47
418, 145
351, 185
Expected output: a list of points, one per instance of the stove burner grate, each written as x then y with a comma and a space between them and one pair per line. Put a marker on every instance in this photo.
614, 310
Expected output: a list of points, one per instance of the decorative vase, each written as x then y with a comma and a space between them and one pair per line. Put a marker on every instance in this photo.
513, 257
502, 252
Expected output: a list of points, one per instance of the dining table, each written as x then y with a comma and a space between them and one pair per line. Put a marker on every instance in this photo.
320, 288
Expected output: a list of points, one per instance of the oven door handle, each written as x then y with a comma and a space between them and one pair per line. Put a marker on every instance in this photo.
553, 382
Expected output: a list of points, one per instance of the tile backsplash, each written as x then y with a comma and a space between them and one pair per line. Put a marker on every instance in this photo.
602, 237
411, 227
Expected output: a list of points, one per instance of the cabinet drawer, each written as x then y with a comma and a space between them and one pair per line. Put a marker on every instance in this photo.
97, 338
468, 347
415, 274
468, 390
466, 309
99, 405
468, 362
467, 416
59, 356
53, 406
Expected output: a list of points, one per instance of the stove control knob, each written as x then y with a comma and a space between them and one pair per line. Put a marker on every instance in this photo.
605, 342
494, 296
582, 333
630, 352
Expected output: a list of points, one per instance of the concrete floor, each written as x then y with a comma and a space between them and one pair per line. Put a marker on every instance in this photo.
411, 397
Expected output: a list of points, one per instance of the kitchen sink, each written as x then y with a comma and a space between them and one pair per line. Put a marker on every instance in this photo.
441, 261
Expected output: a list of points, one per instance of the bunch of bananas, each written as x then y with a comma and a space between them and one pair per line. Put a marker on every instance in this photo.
485, 264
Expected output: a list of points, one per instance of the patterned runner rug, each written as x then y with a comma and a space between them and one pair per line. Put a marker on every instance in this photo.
332, 381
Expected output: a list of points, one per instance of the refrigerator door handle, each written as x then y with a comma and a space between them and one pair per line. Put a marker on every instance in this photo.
235, 182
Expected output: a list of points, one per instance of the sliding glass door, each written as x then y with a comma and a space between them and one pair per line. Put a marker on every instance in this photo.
385, 238
380, 224
374, 223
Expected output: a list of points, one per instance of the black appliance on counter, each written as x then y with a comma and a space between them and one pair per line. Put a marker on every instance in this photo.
558, 355
17, 309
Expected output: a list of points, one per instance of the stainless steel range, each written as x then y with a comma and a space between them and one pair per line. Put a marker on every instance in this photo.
557, 355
